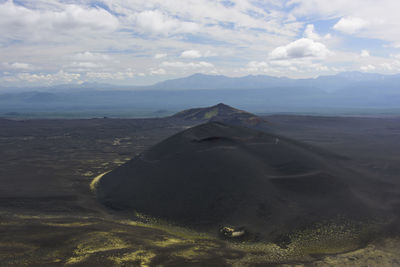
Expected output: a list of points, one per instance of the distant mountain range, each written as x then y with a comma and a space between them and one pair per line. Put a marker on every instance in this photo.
345, 93
327, 83
204, 81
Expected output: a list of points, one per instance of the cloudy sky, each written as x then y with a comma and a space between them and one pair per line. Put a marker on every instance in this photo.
46, 42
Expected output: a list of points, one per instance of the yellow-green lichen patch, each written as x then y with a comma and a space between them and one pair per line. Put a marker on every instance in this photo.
256, 253
384, 254
88, 174
96, 242
141, 258
119, 161
71, 224
167, 242
36, 217
326, 238
99, 242
95, 181
190, 254
77, 259
211, 113
177, 231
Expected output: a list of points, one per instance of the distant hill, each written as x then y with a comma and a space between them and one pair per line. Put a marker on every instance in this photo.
221, 113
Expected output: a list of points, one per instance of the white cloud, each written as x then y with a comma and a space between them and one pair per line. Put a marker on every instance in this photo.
89, 56
158, 56
159, 71
257, 66
85, 65
392, 65
239, 24
17, 66
350, 25
21, 66
368, 67
77, 37
191, 54
381, 16
110, 75
293, 67
19, 22
194, 65
59, 77
364, 53
397, 56
154, 21
310, 33
301, 48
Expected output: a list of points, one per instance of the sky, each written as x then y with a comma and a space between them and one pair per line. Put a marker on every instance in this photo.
138, 42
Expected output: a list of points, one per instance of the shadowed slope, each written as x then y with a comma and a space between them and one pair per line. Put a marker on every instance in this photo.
215, 174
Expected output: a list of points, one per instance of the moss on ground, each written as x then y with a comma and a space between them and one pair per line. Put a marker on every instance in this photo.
55, 240
210, 114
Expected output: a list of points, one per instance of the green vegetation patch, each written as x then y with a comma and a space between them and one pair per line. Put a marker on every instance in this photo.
211, 113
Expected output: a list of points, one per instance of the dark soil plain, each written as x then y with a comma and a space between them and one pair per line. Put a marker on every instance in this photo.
49, 216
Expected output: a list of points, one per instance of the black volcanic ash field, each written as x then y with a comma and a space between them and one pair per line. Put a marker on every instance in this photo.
215, 175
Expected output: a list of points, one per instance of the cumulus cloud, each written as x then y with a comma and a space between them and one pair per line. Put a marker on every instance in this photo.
154, 21
393, 65
17, 66
368, 67
194, 65
158, 56
240, 23
364, 53
23, 66
59, 77
79, 37
84, 61
397, 56
85, 65
301, 48
90, 56
365, 18
350, 25
159, 71
17, 21
191, 54
310, 33
110, 75
257, 66
281, 67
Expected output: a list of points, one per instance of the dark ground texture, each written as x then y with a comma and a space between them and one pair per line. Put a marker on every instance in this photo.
216, 175
49, 217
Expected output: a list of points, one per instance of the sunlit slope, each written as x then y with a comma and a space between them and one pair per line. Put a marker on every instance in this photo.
214, 175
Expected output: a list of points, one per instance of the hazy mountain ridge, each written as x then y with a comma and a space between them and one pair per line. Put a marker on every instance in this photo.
206, 81
336, 82
351, 91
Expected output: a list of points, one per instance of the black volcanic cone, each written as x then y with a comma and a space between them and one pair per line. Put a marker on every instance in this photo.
214, 174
